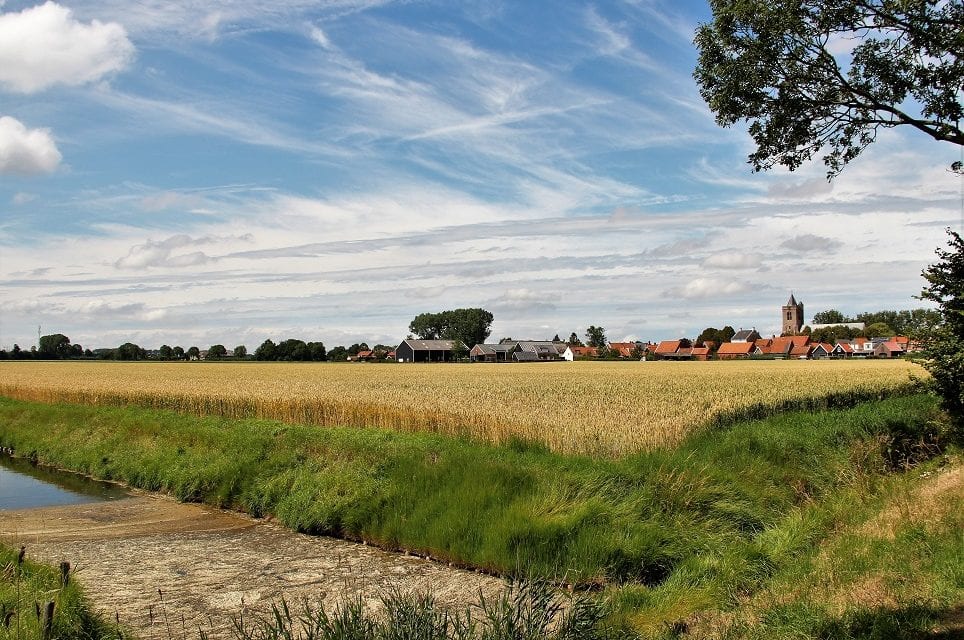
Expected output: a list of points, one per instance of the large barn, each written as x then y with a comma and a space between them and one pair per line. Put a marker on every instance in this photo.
425, 351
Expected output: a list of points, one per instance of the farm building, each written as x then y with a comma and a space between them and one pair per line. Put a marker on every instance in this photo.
425, 351
501, 352
543, 350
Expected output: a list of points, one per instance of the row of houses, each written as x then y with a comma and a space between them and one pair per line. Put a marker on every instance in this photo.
784, 347
745, 344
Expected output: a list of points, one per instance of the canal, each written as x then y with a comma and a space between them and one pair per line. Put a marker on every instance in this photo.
24, 485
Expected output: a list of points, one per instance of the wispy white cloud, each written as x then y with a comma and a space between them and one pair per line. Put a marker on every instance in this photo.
44, 46
22, 197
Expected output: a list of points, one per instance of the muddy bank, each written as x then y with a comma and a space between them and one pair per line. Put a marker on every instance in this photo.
155, 562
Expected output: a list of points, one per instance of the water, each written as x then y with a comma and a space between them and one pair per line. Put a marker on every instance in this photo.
24, 485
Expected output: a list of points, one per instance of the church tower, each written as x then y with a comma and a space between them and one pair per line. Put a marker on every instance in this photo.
792, 316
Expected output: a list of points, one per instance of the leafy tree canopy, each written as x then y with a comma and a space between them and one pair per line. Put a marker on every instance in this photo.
717, 336
830, 316
470, 326
217, 351
943, 342
596, 337
826, 75
56, 345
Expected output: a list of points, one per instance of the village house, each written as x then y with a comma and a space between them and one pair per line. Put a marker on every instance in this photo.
576, 352
734, 350
745, 335
625, 349
889, 349
667, 349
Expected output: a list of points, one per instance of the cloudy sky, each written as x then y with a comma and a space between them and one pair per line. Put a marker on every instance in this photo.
205, 171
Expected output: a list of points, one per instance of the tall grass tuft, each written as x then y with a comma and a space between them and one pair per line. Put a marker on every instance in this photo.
527, 610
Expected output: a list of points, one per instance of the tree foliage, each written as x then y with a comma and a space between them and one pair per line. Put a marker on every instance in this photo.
291, 350
217, 351
470, 326
596, 337
129, 351
826, 75
943, 343
716, 336
56, 345
830, 316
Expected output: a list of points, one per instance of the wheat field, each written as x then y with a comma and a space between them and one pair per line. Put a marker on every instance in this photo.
599, 408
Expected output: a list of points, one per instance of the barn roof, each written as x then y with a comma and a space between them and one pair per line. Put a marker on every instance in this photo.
430, 345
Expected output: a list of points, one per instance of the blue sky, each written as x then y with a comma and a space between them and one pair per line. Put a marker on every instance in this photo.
196, 173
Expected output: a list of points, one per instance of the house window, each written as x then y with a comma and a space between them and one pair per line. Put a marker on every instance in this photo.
788, 316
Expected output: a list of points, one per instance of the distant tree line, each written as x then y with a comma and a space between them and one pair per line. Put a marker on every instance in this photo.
877, 324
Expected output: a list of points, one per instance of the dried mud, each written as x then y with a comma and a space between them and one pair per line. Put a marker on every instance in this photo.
165, 568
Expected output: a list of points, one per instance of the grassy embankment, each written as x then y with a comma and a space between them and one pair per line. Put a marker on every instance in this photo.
28, 591
722, 531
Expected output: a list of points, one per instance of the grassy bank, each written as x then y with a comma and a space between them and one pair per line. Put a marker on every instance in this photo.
31, 592
639, 519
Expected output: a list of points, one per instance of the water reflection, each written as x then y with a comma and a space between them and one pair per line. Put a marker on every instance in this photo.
24, 485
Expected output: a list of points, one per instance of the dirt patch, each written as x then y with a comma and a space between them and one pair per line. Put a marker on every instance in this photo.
157, 563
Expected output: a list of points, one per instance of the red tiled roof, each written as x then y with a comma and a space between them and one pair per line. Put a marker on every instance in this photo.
699, 351
735, 348
583, 352
904, 340
668, 346
800, 351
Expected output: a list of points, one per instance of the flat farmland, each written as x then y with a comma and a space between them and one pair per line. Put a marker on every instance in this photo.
597, 408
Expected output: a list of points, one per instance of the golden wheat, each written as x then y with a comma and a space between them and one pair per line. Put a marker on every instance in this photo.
584, 407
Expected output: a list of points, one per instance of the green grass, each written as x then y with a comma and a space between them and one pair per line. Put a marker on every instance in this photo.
670, 533
28, 588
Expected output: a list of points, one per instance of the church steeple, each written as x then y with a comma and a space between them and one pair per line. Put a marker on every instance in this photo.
792, 316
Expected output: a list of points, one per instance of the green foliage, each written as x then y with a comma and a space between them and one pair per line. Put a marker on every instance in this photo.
773, 63
129, 351
291, 350
943, 343
527, 609
217, 351
830, 316
582, 520
27, 588
55, 346
240, 352
830, 335
717, 336
470, 326
596, 337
